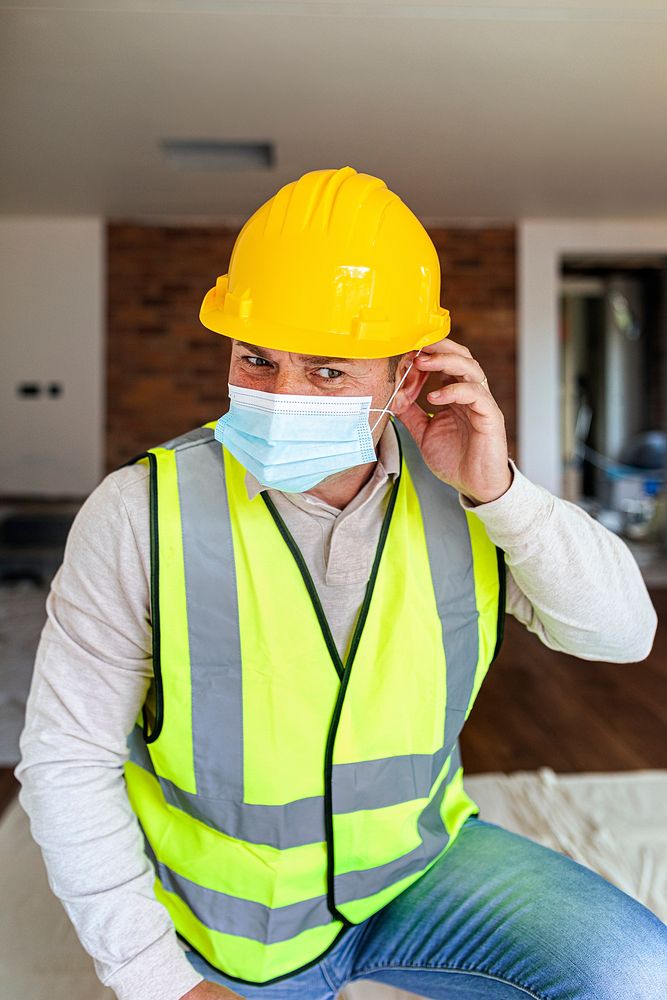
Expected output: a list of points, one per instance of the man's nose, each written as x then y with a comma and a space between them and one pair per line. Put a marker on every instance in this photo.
293, 382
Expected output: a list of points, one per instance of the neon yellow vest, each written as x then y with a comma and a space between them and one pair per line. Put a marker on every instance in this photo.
284, 795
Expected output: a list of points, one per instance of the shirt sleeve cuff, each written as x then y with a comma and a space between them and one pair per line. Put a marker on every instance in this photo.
518, 513
160, 972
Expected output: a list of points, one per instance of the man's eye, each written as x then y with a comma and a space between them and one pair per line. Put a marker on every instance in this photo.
252, 358
332, 373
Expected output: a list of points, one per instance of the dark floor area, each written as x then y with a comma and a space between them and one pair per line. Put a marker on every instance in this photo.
541, 708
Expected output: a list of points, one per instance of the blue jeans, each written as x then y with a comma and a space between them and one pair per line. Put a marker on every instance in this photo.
497, 917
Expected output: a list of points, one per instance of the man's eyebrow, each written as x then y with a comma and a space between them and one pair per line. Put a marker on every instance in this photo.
256, 350
322, 358
319, 359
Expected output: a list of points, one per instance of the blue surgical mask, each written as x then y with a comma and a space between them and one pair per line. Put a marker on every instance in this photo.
292, 442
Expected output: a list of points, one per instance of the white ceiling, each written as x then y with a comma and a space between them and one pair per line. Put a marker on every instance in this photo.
468, 112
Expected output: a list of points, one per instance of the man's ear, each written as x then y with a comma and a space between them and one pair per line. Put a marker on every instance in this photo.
412, 386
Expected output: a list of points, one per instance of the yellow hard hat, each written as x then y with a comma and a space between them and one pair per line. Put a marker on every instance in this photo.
333, 264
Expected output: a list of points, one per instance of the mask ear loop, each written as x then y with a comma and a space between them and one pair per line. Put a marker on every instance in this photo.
375, 409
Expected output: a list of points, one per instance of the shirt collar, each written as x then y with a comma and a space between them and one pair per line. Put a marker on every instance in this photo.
387, 466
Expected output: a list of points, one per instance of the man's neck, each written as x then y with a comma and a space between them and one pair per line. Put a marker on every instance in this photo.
342, 487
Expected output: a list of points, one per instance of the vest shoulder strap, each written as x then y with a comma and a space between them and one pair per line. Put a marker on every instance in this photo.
197, 435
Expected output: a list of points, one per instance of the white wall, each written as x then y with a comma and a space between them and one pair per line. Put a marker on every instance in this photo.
52, 290
541, 245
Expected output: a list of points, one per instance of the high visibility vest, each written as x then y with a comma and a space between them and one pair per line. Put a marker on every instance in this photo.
285, 794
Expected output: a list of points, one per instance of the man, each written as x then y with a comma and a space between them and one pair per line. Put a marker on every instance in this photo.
241, 754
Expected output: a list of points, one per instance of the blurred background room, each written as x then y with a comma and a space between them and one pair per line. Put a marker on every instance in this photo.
530, 139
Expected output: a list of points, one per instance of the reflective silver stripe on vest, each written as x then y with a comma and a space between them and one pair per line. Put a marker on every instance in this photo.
243, 917
300, 822
356, 885
213, 621
246, 918
450, 556
293, 824
385, 781
217, 700
190, 437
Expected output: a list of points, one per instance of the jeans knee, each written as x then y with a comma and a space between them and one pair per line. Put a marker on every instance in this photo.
633, 963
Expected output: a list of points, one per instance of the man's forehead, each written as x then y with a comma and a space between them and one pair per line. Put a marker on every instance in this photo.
308, 358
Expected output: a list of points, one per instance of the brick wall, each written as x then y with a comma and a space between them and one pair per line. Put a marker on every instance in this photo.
167, 373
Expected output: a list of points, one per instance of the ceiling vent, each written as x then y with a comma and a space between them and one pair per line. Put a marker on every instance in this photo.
210, 154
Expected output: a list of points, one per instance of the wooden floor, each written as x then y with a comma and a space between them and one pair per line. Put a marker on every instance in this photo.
537, 707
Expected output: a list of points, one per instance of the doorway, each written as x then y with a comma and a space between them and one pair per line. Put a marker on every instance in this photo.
612, 332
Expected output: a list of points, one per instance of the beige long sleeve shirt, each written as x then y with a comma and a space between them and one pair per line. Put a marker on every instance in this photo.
570, 581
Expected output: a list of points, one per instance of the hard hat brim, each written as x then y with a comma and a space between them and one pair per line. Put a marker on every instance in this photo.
279, 337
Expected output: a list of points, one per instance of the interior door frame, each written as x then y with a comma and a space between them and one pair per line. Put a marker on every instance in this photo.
541, 245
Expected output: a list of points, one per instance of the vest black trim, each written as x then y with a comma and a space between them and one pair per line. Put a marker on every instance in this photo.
343, 670
502, 598
155, 597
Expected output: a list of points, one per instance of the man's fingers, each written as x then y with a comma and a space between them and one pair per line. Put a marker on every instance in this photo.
467, 393
460, 365
445, 346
